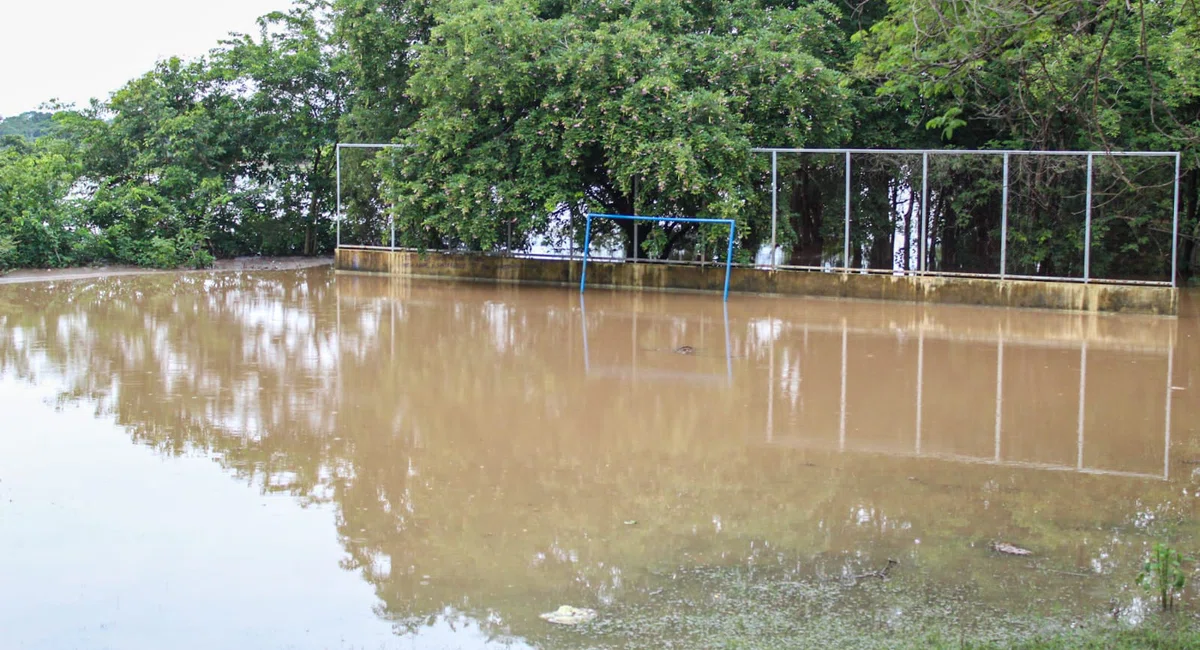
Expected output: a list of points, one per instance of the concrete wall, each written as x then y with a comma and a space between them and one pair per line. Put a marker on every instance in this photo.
964, 291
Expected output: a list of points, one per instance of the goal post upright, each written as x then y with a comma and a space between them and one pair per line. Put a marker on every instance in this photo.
587, 240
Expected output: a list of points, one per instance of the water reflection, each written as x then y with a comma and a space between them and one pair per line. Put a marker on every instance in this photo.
677, 328
494, 452
958, 413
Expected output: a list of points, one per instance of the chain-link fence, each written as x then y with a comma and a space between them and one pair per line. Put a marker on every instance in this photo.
1067, 216
1044, 215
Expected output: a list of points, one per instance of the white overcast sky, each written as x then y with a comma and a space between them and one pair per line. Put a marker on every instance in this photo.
73, 50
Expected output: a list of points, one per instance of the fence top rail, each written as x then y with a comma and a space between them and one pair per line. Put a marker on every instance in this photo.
969, 152
371, 145
629, 217
942, 152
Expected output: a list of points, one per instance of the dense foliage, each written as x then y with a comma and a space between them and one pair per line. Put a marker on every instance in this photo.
518, 116
30, 125
227, 155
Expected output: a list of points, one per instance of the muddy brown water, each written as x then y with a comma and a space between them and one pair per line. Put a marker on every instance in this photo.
305, 459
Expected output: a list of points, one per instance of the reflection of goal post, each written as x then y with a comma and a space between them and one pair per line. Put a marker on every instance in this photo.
587, 239
633, 371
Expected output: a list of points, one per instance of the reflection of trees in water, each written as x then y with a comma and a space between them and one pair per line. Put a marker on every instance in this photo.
475, 472
211, 363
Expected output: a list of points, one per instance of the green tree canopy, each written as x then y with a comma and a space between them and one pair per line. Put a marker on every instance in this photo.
650, 106
519, 115
30, 125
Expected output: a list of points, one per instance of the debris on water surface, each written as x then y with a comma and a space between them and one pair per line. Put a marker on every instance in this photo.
567, 615
1009, 549
882, 574
685, 349
630, 522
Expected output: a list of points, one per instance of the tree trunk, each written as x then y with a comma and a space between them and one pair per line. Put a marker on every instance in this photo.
1187, 245
310, 245
807, 203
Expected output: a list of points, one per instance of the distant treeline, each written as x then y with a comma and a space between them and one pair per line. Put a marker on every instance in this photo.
29, 126
520, 113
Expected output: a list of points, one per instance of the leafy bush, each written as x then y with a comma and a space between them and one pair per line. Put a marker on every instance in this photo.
184, 249
158, 252
88, 247
190, 250
8, 252
1163, 574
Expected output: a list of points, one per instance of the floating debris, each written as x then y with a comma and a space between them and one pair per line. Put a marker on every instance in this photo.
1009, 549
882, 574
685, 349
567, 615
630, 522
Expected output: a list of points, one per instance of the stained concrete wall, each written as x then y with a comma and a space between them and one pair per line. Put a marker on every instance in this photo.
965, 291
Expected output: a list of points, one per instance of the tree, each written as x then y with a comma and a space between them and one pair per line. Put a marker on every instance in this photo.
40, 222
526, 111
1051, 74
377, 40
295, 92
30, 125
162, 156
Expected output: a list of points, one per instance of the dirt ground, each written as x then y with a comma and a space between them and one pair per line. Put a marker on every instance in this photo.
234, 264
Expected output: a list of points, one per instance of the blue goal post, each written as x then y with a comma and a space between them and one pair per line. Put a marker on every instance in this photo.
587, 239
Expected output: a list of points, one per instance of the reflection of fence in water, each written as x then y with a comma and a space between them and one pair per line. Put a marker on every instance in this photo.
956, 385
951, 407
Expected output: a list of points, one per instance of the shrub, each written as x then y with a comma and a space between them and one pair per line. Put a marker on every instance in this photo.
8, 252
1163, 574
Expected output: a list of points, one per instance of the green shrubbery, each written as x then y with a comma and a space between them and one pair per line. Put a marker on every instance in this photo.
8, 252
187, 249
48, 220
1163, 575
183, 163
515, 112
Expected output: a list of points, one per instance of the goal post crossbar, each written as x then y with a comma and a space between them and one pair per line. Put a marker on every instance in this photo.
587, 239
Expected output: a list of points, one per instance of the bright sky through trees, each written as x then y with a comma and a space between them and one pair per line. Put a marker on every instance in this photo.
78, 49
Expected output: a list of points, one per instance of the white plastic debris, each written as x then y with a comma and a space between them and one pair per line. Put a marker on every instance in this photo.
567, 615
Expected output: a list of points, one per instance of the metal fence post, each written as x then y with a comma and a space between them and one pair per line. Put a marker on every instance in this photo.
1004, 221
393, 215
337, 218
587, 237
774, 202
846, 232
1175, 225
1087, 227
924, 208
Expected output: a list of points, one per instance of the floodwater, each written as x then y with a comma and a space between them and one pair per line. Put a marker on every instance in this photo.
304, 459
